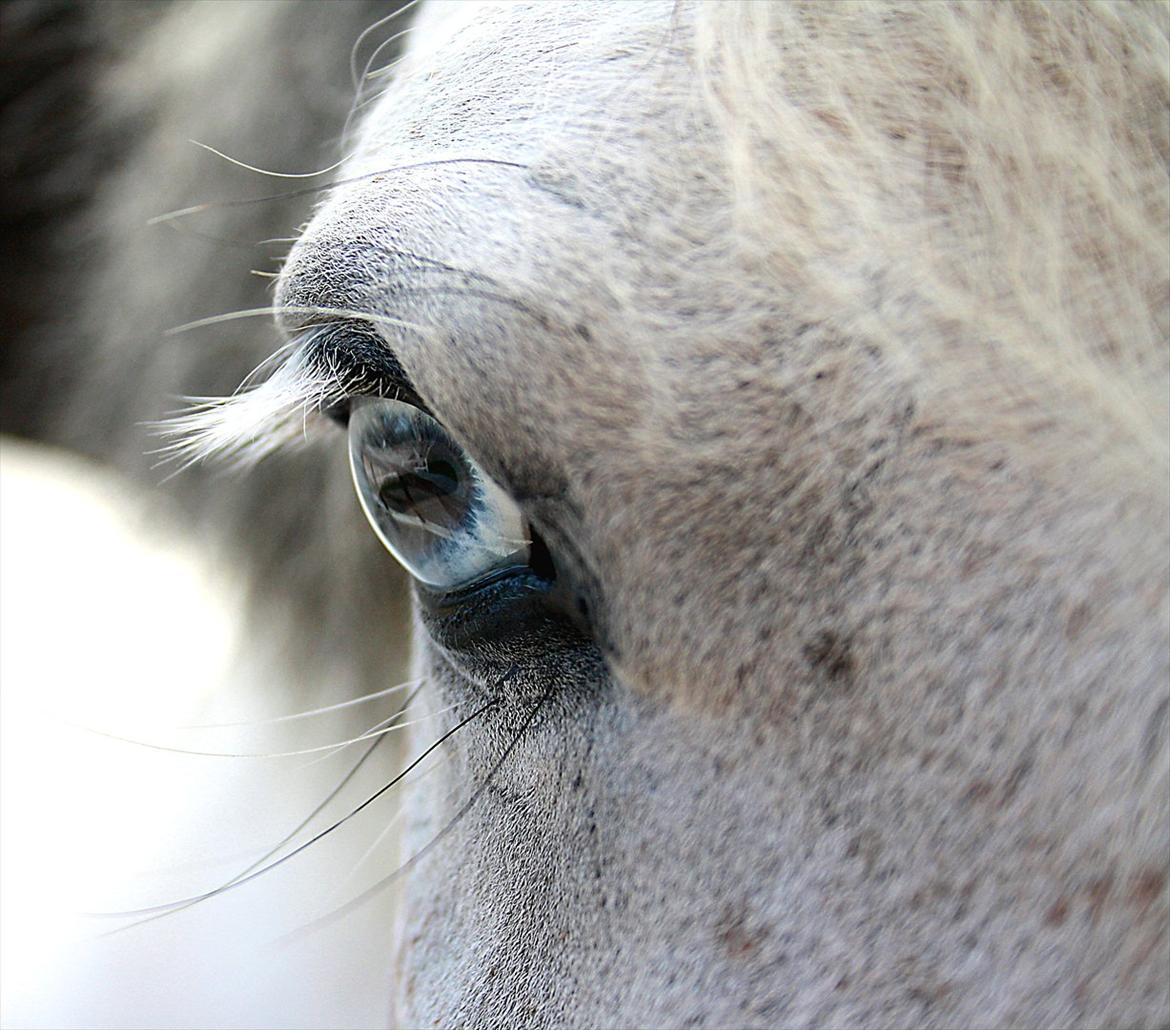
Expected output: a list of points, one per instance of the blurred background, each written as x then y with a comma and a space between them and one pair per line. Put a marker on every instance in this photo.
94, 607
138, 606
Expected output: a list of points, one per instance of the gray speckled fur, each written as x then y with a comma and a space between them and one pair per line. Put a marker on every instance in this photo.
882, 740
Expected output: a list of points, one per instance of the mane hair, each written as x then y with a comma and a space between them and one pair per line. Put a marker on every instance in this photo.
979, 188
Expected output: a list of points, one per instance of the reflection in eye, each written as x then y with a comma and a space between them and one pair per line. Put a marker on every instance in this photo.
435, 510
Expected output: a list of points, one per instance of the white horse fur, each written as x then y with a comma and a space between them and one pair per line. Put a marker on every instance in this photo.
826, 345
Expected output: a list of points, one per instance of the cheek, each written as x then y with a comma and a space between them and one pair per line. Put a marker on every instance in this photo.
585, 862
691, 583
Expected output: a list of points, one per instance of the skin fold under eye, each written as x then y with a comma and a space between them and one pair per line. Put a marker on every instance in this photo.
432, 506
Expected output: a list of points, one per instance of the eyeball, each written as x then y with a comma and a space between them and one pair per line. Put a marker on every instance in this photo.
432, 506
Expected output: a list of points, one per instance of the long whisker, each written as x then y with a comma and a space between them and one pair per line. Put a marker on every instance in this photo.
364, 699
353, 69
308, 190
394, 821
335, 746
289, 309
418, 856
385, 71
149, 910
337, 789
367, 74
371, 733
366, 316
223, 241
264, 171
353, 108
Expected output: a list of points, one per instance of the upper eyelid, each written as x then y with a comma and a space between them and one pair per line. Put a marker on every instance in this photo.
361, 363
364, 366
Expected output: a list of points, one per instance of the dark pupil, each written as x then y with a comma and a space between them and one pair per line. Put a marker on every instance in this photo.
430, 493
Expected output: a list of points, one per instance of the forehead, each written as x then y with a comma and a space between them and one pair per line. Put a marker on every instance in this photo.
581, 101
483, 72
515, 191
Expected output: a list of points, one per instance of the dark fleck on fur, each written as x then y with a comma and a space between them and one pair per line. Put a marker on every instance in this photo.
830, 654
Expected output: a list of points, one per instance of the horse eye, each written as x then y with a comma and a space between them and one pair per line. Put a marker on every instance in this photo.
433, 507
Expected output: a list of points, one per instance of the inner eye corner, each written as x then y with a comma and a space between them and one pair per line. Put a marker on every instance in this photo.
539, 557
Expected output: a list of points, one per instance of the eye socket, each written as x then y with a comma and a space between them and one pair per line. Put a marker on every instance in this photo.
432, 506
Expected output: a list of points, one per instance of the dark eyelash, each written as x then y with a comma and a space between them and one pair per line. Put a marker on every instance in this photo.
356, 357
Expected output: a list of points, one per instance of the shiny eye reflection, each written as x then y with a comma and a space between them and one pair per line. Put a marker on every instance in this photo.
435, 510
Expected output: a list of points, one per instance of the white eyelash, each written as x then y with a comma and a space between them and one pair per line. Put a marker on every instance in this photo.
252, 423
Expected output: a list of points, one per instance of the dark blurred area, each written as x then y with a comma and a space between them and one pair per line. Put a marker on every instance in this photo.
135, 593
99, 103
